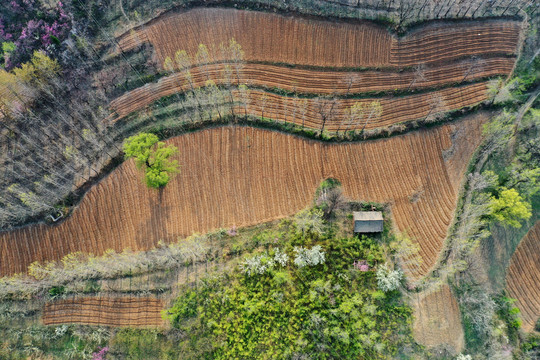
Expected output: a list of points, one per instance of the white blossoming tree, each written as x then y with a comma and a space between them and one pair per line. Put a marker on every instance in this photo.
310, 220
388, 279
309, 257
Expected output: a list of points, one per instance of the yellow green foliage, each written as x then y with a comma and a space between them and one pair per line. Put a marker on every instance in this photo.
510, 208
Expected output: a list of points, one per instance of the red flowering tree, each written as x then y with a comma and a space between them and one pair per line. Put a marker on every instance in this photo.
27, 26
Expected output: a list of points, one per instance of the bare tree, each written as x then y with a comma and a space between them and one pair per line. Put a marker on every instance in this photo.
350, 80
326, 109
419, 74
474, 66
331, 200
372, 111
264, 102
303, 110
437, 108
202, 58
244, 95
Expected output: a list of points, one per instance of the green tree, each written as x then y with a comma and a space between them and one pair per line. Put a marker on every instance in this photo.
153, 156
510, 208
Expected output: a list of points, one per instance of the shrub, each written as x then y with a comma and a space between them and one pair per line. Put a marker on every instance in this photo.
387, 279
303, 311
258, 264
56, 291
310, 221
308, 257
27, 26
510, 208
281, 258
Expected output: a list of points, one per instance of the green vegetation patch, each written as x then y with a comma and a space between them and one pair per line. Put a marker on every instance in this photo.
302, 297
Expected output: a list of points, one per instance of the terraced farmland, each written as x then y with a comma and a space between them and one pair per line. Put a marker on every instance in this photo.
394, 110
266, 37
335, 112
310, 81
106, 311
523, 278
242, 176
285, 39
443, 54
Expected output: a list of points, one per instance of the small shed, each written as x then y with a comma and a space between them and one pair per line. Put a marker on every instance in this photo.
368, 221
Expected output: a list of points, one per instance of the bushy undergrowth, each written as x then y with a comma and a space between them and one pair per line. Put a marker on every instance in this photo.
53, 342
323, 309
27, 26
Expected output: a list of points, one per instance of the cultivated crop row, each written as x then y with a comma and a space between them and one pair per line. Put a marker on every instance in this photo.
285, 39
336, 113
437, 319
243, 176
523, 278
106, 311
312, 81
438, 43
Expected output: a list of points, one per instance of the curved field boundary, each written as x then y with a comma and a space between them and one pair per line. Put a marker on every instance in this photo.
437, 319
310, 81
243, 176
107, 311
442, 42
394, 110
523, 278
274, 38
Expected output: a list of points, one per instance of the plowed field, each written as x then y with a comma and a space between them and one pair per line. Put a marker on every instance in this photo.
437, 319
106, 311
274, 38
242, 176
394, 110
310, 81
523, 278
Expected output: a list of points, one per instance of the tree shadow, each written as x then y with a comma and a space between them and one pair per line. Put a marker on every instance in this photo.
154, 228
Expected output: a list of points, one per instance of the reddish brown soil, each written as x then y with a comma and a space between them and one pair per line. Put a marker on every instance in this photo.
274, 38
437, 319
106, 311
309, 81
394, 110
523, 277
242, 176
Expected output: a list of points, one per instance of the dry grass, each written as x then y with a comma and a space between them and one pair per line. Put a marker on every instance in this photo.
276, 38
243, 176
523, 278
106, 311
437, 319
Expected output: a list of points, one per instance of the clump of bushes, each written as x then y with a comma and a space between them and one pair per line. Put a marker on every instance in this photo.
304, 299
27, 26
388, 279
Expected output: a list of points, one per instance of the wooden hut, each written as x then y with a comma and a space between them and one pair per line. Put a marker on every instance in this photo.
367, 222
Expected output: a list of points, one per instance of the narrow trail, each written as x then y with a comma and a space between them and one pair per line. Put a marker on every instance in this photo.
448, 254
525, 107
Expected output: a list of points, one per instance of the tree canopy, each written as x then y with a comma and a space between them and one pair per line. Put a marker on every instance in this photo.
153, 156
510, 208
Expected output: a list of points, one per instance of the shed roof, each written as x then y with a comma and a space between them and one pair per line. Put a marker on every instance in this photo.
368, 221
367, 215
